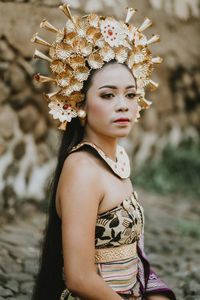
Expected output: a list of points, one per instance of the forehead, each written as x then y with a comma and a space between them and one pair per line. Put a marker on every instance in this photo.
114, 74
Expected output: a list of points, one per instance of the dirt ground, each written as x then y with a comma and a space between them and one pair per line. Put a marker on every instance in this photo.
172, 244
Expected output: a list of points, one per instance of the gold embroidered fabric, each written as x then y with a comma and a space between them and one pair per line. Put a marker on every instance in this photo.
113, 254
120, 225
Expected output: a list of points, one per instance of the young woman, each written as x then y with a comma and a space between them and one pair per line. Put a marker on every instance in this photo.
90, 193
93, 246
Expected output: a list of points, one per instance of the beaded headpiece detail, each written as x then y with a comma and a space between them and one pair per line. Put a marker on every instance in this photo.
86, 43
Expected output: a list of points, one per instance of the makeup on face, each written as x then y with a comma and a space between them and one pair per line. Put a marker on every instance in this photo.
122, 121
107, 95
112, 102
114, 87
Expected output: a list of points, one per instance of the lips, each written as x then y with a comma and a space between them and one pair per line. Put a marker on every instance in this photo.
122, 120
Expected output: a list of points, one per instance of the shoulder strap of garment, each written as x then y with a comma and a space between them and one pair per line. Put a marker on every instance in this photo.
121, 167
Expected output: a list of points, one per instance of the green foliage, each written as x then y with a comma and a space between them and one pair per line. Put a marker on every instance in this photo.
178, 171
188, 228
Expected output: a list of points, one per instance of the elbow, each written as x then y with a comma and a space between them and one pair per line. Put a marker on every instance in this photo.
78, 278
72, 284
76, 283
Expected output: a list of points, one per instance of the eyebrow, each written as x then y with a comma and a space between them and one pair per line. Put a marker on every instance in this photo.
114, 87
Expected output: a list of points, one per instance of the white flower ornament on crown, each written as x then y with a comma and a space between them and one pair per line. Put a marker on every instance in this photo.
87, 43
113, 32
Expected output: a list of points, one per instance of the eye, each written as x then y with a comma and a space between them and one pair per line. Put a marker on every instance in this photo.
108, 95
131, 95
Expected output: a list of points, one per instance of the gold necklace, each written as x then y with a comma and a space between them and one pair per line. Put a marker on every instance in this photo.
121, 167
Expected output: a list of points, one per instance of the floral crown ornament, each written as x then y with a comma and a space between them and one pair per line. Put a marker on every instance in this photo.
86, 43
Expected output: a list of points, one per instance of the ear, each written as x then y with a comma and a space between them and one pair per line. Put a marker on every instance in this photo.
83, 106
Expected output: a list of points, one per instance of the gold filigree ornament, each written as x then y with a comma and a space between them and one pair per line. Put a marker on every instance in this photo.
87, 43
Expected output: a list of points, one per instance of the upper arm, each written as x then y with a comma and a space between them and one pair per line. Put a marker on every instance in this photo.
79, 195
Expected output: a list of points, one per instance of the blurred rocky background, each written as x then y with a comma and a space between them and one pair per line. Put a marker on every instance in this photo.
164, 145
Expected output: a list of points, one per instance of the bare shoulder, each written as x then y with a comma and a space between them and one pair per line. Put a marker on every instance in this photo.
81, 164
80, 183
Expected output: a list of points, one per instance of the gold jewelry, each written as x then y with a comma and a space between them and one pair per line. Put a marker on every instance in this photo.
82, 116
87, 43
82, 113
121, 166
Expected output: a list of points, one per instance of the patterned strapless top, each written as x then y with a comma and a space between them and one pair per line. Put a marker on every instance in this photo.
120, 225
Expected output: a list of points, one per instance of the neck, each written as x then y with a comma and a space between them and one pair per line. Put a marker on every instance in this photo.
106, 143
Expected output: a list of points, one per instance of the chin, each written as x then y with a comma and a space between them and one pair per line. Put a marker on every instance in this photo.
122, 133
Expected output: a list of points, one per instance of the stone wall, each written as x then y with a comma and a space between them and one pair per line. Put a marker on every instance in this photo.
28, 135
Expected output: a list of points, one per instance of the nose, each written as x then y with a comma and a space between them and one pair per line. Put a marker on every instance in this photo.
121, 104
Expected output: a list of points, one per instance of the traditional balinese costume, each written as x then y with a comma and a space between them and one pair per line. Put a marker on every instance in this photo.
119, 241
87, 43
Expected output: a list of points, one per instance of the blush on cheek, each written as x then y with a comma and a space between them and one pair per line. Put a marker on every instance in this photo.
135, 110
96, 111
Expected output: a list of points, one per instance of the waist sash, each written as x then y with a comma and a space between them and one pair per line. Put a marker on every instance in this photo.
105, 255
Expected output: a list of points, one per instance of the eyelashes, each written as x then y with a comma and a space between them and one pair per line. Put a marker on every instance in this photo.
110, 95
131, 95
106, 96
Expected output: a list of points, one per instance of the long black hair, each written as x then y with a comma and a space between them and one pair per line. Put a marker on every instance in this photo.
49, 283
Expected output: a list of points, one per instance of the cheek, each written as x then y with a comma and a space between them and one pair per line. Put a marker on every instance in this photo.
96, 110
134, 108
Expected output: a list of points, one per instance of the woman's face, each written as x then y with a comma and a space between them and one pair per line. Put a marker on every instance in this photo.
111, 97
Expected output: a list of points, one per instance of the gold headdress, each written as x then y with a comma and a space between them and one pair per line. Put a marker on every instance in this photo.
93, 40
